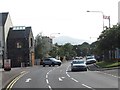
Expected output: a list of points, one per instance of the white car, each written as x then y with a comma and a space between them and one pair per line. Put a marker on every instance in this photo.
78, 65
90, 60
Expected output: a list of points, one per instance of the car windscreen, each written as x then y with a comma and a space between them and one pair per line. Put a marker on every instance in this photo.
78, 62
90, 57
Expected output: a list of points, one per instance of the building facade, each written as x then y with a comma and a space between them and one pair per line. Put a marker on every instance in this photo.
5, 24
20, 45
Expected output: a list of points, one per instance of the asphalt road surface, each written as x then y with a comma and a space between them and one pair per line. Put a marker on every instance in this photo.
61, 77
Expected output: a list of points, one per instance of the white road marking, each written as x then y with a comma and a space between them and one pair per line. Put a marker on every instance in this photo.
49, 87
67, 71
60, 79
46, 76
74, 79
68, 75
47, 81
49, 72
110, 74
86, 86
28, 80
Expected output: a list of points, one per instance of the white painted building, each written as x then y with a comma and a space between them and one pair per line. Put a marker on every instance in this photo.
5, 24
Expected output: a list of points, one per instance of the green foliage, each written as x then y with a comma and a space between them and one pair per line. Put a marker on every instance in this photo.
109, 39
104, 64
39, 47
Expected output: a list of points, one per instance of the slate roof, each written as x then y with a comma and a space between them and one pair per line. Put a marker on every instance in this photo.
19, 33
3, 17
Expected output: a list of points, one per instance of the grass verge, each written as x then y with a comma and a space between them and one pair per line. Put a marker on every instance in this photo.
107, 64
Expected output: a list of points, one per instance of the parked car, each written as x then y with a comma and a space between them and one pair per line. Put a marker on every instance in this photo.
77, 65
78, 58
90, 60
51, 61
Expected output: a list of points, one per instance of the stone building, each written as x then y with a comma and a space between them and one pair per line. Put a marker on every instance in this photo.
20, 45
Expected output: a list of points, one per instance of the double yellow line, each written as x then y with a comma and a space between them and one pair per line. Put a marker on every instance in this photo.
10, 85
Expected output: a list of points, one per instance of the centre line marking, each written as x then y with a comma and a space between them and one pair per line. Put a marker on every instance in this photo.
47, 81
111, 75
74, 79
49, 87
86, 86
46, 76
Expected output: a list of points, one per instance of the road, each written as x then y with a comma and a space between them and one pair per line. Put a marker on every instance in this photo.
56, 77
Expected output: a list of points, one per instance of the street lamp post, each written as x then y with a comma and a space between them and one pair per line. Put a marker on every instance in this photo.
102, 15
52, 34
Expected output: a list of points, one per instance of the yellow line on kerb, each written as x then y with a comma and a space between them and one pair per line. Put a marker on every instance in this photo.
9, 87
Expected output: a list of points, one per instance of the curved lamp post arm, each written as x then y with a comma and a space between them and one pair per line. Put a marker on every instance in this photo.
52, 34
101, 13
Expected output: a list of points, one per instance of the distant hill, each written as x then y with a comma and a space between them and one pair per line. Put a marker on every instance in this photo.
65, 39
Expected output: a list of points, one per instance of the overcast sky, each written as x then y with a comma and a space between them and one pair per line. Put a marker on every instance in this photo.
67, 17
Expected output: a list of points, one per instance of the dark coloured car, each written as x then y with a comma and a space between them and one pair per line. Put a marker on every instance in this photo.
78, 65
51, 62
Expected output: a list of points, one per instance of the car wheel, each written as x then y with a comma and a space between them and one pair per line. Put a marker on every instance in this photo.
49, 65
43, 65
59, 64
53, 64
86, 69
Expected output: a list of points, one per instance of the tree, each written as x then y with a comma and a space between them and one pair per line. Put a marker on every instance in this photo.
109, 40
39, 47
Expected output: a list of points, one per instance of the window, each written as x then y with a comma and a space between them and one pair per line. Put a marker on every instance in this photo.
19, 45
31, 42
0, 44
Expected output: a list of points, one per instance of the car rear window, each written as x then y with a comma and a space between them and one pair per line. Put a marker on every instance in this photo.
78, 62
